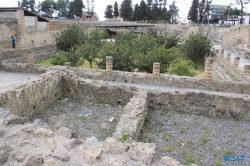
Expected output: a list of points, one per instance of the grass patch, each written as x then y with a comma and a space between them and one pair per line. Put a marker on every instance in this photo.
44, 62
164, 112
183, 129
167, 136
124, 137
147, 121
169, 148
218, 163
204, 139
228, 151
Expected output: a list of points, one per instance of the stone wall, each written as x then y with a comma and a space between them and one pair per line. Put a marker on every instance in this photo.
235, 74
208, 103
236, 35
34, 95
76, 87
165, 80
20, 55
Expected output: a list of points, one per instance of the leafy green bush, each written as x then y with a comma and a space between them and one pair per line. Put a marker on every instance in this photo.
69, 37
195, 47
182, 67
62, 57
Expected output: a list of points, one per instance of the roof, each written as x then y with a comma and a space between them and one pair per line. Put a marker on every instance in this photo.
26, 12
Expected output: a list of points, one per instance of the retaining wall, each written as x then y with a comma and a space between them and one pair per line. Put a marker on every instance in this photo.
235, 74
17, 55
32, 96
197, 102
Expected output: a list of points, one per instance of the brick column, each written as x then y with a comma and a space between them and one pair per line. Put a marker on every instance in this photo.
32, 43
246, 70
109, 67
21, 20
68, 64
236, 62
228, 57
208, 69
30, 61
222, 53
156, 70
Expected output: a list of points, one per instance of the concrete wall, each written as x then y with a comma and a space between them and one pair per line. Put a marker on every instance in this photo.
30, 23
42, 26
9, 16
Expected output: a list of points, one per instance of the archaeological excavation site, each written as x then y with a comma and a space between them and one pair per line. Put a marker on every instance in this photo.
74, 116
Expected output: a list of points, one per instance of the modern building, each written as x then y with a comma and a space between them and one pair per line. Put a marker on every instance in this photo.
217, 12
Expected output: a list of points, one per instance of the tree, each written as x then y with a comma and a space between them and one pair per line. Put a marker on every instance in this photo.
241, 3
78, 6
136, 13
63, 7
195, 47
143, 10
71, 36
173, 11
126, 10
204, 8
155, 12
48, 7
28, 4
116, 11
109, 12
92, 45
232, 12
149, 5
194, 10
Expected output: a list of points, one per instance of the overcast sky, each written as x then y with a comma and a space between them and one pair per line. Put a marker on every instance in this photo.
100, 5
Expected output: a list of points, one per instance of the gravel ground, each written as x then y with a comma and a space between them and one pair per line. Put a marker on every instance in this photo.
87, 118
202, 140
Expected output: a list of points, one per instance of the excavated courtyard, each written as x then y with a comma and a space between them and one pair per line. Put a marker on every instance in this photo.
88, 119
200, 139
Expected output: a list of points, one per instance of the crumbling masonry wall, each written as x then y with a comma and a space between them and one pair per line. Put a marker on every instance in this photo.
34, 95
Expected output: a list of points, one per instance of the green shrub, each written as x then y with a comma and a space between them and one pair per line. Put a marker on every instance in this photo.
182, 67
69, 37
195, 47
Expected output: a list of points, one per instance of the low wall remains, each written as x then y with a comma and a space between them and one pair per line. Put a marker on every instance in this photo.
15, 55
203, 103
234, 73
34, 95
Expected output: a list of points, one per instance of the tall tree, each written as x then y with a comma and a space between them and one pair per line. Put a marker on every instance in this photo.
116, 11
204, 8
173, 11
241, 3
78, 6
155, 12
149, 5
48, 7
232, 12
143, 10
28, 4
63, 7
136, 13
109, 12
126, 9
194, 10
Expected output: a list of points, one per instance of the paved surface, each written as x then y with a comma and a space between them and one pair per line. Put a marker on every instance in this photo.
243, 60
8, 79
